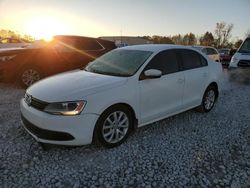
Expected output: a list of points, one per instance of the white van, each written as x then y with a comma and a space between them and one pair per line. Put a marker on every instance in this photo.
241, 58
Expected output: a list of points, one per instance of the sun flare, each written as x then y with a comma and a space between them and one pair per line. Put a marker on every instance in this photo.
45, 27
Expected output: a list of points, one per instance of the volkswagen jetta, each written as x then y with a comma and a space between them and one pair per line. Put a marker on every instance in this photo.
118, 92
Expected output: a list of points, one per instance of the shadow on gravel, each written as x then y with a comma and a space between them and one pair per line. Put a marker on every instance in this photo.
241, 76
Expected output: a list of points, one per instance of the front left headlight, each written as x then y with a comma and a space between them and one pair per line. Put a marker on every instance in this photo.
7, 58
65, 108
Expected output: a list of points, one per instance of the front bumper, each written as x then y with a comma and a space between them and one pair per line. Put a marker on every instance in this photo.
54, 129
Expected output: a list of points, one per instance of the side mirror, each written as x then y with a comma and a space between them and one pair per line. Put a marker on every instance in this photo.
152, 73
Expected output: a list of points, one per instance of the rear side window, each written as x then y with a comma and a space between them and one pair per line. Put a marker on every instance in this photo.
107, 44
204, 50
165, 61
87, 44
191, 59
211, 51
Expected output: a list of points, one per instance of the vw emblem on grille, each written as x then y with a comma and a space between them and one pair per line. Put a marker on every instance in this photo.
28, 99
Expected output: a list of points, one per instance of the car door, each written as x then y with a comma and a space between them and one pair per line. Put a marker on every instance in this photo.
162, 96
195, 69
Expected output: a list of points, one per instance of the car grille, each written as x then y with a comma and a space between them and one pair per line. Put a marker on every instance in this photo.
35, 103
46, 134
244, 63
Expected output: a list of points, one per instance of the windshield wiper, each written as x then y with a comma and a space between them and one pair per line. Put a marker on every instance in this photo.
108, 73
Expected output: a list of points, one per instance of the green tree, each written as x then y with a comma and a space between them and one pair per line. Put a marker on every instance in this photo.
166, 40
189, 39
238, 43
207, 39
11, 34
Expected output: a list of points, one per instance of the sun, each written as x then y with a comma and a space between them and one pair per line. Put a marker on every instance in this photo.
45, 27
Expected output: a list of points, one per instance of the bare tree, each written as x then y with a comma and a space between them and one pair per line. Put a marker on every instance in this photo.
223, 34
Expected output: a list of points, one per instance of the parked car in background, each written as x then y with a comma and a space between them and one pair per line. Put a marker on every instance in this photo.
126, 88
226, 55
64, 53
211, 52
13, 43
241, 58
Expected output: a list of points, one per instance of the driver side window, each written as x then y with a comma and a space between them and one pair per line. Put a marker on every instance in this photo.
165, 61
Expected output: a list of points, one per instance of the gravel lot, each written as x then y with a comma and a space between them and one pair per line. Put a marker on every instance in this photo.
187, 150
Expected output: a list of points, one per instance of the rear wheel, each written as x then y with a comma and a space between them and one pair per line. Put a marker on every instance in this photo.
114, 126
29, 75
208, 100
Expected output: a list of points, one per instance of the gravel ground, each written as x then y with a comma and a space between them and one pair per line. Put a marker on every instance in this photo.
187, 150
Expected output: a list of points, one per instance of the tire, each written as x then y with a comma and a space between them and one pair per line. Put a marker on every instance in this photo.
28, 76
114, 126
208, 100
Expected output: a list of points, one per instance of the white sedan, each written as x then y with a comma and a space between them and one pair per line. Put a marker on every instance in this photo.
124, 89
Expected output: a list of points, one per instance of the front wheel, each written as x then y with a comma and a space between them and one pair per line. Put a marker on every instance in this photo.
29, 76
114, 126
208, 100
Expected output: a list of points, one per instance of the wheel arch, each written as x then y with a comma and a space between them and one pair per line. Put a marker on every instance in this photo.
215, 85
126, 105
129, 107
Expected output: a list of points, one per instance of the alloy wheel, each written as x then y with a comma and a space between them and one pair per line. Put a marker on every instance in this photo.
209, 99
30, 76
115, 127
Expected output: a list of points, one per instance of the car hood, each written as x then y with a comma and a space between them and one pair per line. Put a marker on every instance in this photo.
74, 85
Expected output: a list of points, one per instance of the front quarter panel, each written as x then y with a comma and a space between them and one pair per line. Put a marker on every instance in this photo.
127, 93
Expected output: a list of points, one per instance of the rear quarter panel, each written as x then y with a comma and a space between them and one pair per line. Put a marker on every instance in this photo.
215, 73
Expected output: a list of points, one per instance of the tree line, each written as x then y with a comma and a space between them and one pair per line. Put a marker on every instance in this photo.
220, 38
11, 34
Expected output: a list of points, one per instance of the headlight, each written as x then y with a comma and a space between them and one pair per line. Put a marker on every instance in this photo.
65, 108
7, 58
234, 59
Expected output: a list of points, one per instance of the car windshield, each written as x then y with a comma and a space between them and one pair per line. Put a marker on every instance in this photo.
119, 62
224, 51
197, 48
245, 48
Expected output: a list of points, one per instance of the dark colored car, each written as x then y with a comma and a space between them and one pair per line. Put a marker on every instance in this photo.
64, 53
226, 55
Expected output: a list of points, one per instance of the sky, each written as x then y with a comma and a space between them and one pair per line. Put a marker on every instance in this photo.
95, 18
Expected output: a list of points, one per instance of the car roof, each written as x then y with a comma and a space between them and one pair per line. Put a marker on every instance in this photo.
203, 47
71, 36
155, 47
